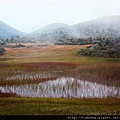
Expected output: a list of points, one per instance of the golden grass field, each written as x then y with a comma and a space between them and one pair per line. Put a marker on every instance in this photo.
51, 57
34, 53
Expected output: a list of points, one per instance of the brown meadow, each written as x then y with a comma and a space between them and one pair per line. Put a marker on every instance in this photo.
37, 64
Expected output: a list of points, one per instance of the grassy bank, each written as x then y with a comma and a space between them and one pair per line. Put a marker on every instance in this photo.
52, 106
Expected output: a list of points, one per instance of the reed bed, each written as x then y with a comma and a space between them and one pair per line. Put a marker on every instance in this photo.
63, 88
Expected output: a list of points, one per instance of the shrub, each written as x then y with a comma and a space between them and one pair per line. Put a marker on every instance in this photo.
105, 48
2, 50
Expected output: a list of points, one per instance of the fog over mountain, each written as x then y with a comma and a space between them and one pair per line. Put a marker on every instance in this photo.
8, 31
54, 32
106, 26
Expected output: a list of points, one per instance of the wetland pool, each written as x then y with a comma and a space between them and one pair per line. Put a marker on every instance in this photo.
64, 87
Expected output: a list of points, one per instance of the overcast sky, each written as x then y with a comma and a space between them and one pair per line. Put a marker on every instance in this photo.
30, 15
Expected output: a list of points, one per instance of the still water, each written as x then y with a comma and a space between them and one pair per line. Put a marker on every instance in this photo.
63, 87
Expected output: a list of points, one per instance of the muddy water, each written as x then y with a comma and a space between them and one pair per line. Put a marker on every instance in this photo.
64, 87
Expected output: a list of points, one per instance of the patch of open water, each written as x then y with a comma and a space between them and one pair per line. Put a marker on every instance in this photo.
63, 87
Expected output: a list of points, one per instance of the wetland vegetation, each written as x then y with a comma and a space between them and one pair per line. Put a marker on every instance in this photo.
56, 81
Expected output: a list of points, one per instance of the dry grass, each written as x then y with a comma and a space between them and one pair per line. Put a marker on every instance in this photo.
51, 53
52, 58
102, 73
58, 58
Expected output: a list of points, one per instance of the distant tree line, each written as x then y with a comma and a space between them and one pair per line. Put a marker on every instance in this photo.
12, 39
16, 39
75, 41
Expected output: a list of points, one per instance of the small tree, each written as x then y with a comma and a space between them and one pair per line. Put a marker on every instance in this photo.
2, 50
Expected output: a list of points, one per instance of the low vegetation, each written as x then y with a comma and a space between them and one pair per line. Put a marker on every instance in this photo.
76, 41
109, 48
77, 74
57, 106
37, 64
2, 50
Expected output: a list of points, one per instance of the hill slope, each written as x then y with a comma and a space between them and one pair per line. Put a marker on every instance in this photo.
54, 32
105, 27
7, 31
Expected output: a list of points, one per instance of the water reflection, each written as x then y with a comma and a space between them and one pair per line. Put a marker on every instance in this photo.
64, 87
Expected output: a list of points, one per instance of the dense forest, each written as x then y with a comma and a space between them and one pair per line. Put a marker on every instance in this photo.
106, 47
76, 41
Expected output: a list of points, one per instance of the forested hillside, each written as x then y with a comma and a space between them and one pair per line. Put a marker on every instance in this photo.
106, 47
53, 33
106, 26
71, 34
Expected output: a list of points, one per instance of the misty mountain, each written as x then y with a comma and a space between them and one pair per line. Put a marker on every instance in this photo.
54, 32
8, 31
105, 27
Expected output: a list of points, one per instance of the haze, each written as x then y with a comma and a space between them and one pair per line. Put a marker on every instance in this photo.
30, 15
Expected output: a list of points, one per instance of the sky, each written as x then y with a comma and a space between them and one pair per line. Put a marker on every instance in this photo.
31, 15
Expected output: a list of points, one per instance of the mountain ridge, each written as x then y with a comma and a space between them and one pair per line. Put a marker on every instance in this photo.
8, 31
104, 26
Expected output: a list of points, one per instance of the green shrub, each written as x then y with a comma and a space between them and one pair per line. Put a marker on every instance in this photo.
2, 50
109, 48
